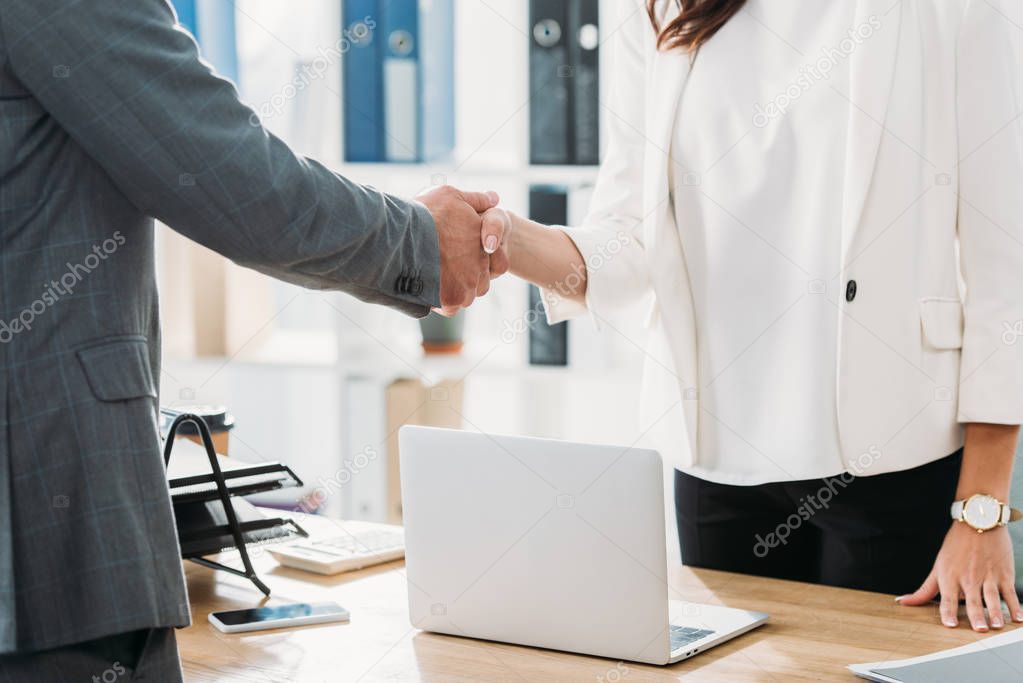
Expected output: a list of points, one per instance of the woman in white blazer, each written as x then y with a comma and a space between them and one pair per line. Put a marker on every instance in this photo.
822, 206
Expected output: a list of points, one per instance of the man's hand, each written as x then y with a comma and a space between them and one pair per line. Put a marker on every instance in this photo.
465, 248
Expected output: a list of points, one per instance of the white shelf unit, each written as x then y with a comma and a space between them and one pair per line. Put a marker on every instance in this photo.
308, 390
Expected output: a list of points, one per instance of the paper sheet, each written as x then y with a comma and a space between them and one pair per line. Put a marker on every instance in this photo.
995, 659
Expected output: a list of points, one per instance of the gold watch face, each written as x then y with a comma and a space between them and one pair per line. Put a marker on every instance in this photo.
982, 512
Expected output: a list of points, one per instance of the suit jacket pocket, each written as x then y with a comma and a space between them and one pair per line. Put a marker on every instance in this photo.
941, 322
118, 369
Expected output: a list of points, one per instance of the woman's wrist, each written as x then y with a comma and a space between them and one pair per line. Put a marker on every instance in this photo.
546, 256
987, 460
522, 242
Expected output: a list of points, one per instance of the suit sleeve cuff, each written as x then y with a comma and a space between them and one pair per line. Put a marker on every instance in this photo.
417, 285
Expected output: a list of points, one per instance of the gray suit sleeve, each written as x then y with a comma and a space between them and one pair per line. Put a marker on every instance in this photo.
129, 87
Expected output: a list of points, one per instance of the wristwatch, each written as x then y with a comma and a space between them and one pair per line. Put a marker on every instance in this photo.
984, 512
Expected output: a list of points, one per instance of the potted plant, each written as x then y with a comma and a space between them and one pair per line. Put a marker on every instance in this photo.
442, 334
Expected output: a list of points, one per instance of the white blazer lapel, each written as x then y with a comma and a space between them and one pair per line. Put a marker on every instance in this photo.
663, 243
668, 74
872, 66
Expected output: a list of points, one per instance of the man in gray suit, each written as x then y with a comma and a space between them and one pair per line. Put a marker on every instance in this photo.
110, 120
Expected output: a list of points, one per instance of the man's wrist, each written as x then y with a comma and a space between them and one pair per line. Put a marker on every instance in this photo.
426, 244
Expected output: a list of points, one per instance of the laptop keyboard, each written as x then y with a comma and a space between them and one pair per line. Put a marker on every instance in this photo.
682, 636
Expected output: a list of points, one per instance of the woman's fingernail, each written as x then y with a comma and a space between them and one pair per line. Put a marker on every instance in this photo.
949, 622
899, 599
980, 627
490, 246
996, 623
493, 196
1019, 616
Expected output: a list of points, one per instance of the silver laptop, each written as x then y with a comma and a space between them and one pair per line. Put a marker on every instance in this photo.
548, 544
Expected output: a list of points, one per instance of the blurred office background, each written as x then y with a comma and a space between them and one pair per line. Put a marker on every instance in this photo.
321, 381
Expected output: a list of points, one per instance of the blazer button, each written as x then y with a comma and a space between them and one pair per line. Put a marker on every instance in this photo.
850, 290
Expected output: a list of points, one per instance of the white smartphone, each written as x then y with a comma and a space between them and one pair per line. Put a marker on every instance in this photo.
280, 616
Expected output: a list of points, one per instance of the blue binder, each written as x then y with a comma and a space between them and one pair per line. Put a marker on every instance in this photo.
400, 37
399, 86
363, 82
186, 14
217, 36
437, 61
212, 23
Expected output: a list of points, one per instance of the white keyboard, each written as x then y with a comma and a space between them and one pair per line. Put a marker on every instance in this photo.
354, 547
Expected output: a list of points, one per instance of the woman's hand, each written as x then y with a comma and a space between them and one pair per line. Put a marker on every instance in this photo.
496, 221
978, 567
540, 254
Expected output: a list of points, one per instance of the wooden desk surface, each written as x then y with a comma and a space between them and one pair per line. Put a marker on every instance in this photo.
814, 632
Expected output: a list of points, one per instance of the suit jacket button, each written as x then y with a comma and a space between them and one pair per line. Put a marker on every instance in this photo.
417, 287
850, 290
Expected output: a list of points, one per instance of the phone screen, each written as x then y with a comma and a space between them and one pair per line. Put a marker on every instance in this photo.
264, 614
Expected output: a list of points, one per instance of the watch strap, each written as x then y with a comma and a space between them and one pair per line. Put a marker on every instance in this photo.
1009, 514
957, 510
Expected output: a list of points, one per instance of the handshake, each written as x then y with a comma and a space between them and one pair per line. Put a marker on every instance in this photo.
472, 233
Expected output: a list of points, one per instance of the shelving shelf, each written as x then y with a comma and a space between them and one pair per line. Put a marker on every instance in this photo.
382, 175
300, 367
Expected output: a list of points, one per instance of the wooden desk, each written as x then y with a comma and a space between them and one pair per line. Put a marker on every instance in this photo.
813, 634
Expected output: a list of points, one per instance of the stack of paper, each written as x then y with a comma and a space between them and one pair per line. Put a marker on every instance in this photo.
191, 478
996, 659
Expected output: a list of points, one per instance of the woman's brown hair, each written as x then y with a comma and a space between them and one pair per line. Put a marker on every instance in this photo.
696, 22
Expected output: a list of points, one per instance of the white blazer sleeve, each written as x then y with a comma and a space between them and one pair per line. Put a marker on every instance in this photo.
990, 102
610, 238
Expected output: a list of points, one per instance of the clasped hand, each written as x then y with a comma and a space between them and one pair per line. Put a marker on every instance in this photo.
472, 233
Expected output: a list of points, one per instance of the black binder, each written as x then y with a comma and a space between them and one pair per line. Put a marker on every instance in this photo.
584, 56
564, 82
549, 71
548, 344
